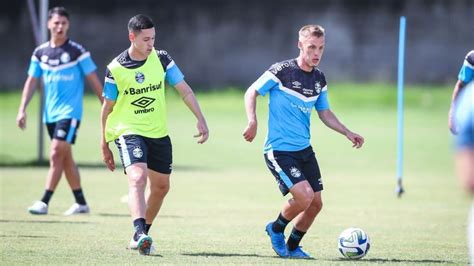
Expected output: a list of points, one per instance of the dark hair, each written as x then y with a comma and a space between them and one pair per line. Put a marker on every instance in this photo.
140, 22
59, 10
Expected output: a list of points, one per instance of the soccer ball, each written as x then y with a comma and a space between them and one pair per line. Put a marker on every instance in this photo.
353, 243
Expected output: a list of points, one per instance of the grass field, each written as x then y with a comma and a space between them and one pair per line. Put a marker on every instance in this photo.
222, 195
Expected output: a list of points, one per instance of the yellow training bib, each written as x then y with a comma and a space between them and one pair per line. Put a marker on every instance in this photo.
140, 107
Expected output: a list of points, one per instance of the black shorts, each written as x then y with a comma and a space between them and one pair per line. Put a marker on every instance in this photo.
65, 130
155, 152
290, 168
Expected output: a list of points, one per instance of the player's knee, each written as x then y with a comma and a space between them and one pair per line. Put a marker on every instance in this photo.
316, 206
160, 189
56, 155
137, 180
305, 200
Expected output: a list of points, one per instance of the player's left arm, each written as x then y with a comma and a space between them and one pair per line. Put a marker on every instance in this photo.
331, 121
189, 99
94, 81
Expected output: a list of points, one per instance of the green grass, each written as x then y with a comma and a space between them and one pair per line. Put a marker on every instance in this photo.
222, 195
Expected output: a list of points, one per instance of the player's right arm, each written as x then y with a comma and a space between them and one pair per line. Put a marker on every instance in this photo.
110, 94
28, 90
107, 155
250, 99
34, 73
260, 87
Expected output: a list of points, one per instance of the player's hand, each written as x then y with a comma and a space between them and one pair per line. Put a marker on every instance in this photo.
108, 157
21, 119
203, 131
250, 131
356, 139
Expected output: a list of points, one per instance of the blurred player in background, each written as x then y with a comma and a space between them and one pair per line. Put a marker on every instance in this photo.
134, 117
464, 120
296, 87
466, 75
63, 64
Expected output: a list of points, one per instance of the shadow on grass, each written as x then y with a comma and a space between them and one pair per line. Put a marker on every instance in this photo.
103, 214
44, 222
114, 214
25, 236
98, 165
379, 260
215, 254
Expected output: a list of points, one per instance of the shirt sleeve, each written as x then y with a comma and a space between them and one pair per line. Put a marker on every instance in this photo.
34, 69
265, 83
466, 74
86, 63
322, 103
173, 74
110, 91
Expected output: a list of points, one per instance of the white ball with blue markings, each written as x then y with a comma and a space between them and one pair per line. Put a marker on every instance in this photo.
354, 243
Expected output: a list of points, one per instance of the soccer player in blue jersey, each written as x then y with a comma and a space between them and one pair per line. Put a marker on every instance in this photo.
296, 87
466, 75
463, 116
62, 64
134, 117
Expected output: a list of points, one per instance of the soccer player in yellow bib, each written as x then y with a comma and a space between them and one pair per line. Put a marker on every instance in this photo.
134, 117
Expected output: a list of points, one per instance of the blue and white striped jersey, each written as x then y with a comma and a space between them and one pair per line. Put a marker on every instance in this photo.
173, 74
63, 69
466, 74
293, 95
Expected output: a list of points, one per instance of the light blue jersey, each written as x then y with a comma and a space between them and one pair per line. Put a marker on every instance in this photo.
173, 74
466, 74
294, 94
464, 116
63, 70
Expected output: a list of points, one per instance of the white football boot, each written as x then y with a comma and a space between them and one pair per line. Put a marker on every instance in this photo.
77, 209
38, 207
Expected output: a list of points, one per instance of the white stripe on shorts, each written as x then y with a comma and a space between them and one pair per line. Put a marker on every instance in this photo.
124, 152
278, 169
271, 158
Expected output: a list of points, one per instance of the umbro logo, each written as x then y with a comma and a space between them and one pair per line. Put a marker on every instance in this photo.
143, 102
296, 84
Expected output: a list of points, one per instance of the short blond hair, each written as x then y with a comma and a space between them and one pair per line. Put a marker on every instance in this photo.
310, 30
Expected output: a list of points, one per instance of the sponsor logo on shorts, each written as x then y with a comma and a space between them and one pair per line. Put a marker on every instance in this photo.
137, 152
61, 133
295, 172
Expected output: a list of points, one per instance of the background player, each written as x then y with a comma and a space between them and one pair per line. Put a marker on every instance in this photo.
63, 64
466, 75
